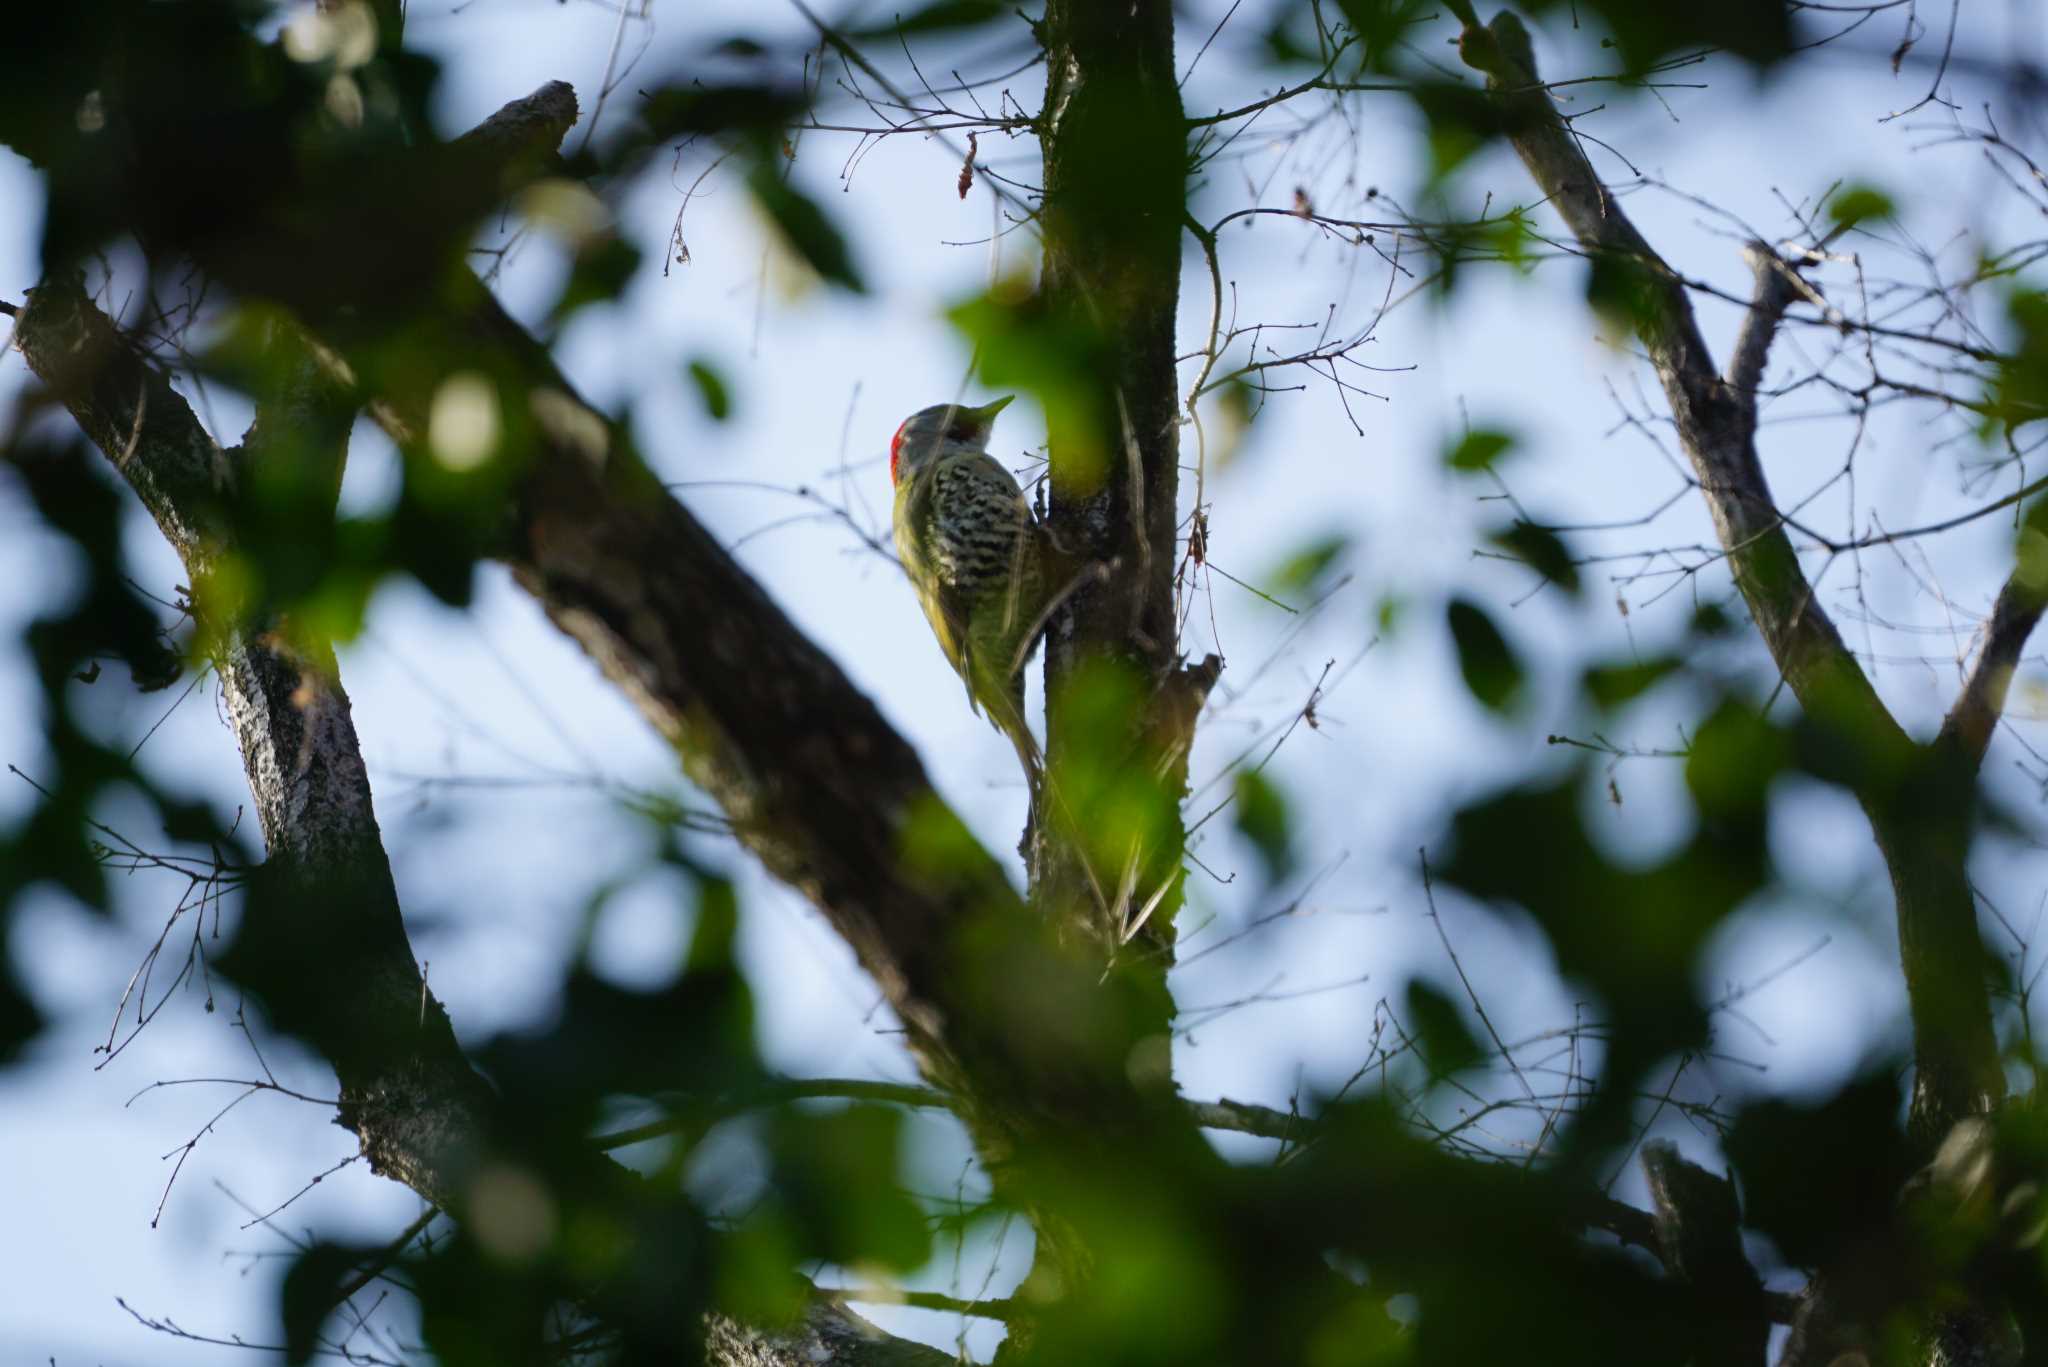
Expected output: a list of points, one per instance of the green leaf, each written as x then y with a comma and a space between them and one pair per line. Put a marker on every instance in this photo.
1462, 120
1711, 620
1514, 240
1304, 571
1387, 614
1264, 820
1820, 1177
311, 1293
837, 1175
1381, 26
601, 273
1541, 550
1759, 31
1613, 685
1492, 671
936, 17
1853, 204
712, 389
1735, 754
1448, 1045
2019, 387
1626, 293
1633, 934
804, 226
1024, 343
676, 112
1479, 448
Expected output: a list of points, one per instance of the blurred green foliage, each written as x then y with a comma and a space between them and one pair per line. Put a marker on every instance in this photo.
1492, 670
2019, 393
1479, 449
1542, 550
1857, 203
1262, 817
712, 389
1306, 573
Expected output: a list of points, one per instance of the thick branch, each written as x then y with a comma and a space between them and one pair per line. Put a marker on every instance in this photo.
1115, 157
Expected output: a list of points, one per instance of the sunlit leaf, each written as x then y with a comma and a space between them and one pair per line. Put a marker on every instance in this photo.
1387, 614
805, 227
1854, 204
1302, 573
1479, 448
1024, 344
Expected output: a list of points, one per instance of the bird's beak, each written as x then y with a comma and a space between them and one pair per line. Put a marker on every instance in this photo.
986, 414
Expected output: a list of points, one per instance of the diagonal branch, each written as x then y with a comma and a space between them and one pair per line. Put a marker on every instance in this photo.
1917, 803
1716, 419
1977, 709
323, 939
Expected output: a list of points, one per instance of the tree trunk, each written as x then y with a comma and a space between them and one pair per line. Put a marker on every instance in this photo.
1120, 710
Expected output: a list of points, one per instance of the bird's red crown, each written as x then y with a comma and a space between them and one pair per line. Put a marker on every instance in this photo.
896, 449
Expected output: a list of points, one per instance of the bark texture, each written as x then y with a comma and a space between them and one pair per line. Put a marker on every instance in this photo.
1115, 155
829, 1336
1115, 164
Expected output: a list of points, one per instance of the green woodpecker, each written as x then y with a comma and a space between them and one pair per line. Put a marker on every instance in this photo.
976, 557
